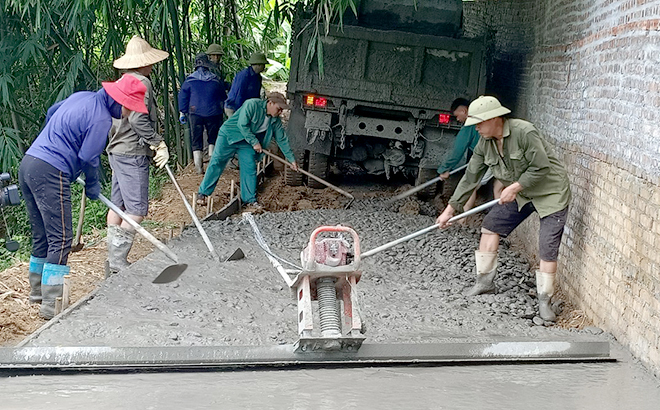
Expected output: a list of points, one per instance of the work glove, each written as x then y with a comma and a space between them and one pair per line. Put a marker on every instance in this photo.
93, 189
182, 118
162, 154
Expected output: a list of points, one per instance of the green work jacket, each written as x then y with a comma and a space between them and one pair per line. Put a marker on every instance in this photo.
528, 160
245, 123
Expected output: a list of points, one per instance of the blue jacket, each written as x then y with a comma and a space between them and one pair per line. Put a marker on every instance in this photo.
466, 139
246, 85
76, 132
202, 94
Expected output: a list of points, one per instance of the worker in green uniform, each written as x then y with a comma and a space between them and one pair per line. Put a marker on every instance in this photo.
251, 127
535, 181
464, 144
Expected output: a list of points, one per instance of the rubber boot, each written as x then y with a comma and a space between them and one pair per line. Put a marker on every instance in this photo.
36, 268
486, 271
52, 283
211, 148
545, 288
119, 244
198, 157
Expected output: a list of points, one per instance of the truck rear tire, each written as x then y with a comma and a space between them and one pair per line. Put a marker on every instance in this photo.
426, 174
291, 177
318, 165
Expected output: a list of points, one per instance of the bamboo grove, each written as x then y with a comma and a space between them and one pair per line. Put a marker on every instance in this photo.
52, 48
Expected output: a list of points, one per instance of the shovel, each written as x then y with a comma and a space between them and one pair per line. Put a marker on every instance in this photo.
310, 175
428, 229
171, 272
81, 217
194, 217
424, 185
238, 254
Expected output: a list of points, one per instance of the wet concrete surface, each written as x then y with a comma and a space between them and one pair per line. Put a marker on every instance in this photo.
408, 294
602, 386
411, 293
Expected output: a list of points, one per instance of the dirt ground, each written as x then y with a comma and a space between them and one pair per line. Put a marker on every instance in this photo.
167, 216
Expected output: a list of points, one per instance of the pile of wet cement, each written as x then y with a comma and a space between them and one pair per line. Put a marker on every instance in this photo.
410, 293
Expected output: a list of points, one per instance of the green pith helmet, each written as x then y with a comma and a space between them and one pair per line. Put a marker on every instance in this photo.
258, 58
215, 49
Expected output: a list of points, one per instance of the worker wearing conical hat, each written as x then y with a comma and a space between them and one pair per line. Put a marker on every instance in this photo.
133, 141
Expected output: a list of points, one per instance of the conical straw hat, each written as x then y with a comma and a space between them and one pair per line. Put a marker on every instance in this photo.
139, 54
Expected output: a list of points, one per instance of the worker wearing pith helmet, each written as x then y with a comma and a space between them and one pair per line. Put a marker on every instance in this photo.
215, 53
247, 83
200, 99
464, 143
133, 141
535, 181
71, 143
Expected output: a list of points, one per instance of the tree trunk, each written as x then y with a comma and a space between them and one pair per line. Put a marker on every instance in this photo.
207, 23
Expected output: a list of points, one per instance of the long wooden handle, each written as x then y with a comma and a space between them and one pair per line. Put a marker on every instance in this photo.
425, 184
194, 217
81, 217
428, 229
167, 251
314, 177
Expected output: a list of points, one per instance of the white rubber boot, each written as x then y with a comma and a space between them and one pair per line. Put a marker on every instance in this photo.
545, 288
119, 245
211, 148
486, 271
198, 157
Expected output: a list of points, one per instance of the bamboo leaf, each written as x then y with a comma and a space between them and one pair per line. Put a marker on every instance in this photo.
319, 55
10, 152
6, 84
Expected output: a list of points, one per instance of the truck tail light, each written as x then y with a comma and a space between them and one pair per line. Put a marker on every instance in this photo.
444, 119
315, 101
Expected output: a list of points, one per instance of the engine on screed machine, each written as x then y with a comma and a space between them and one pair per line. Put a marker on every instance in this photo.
330, 276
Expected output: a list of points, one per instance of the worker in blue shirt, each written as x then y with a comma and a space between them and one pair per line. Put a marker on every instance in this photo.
465, 141
201, 98
71, 143
247, 84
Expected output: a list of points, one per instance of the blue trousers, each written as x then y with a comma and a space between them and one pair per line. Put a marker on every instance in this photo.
222, 153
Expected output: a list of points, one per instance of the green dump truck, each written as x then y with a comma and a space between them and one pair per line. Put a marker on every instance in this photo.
383, 100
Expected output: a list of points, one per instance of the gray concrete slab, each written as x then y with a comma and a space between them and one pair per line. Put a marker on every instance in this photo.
408, 295
591, 386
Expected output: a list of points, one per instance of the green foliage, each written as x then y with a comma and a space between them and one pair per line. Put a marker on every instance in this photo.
10, 152
52, 48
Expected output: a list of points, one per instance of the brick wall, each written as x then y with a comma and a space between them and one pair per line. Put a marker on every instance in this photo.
587, 73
